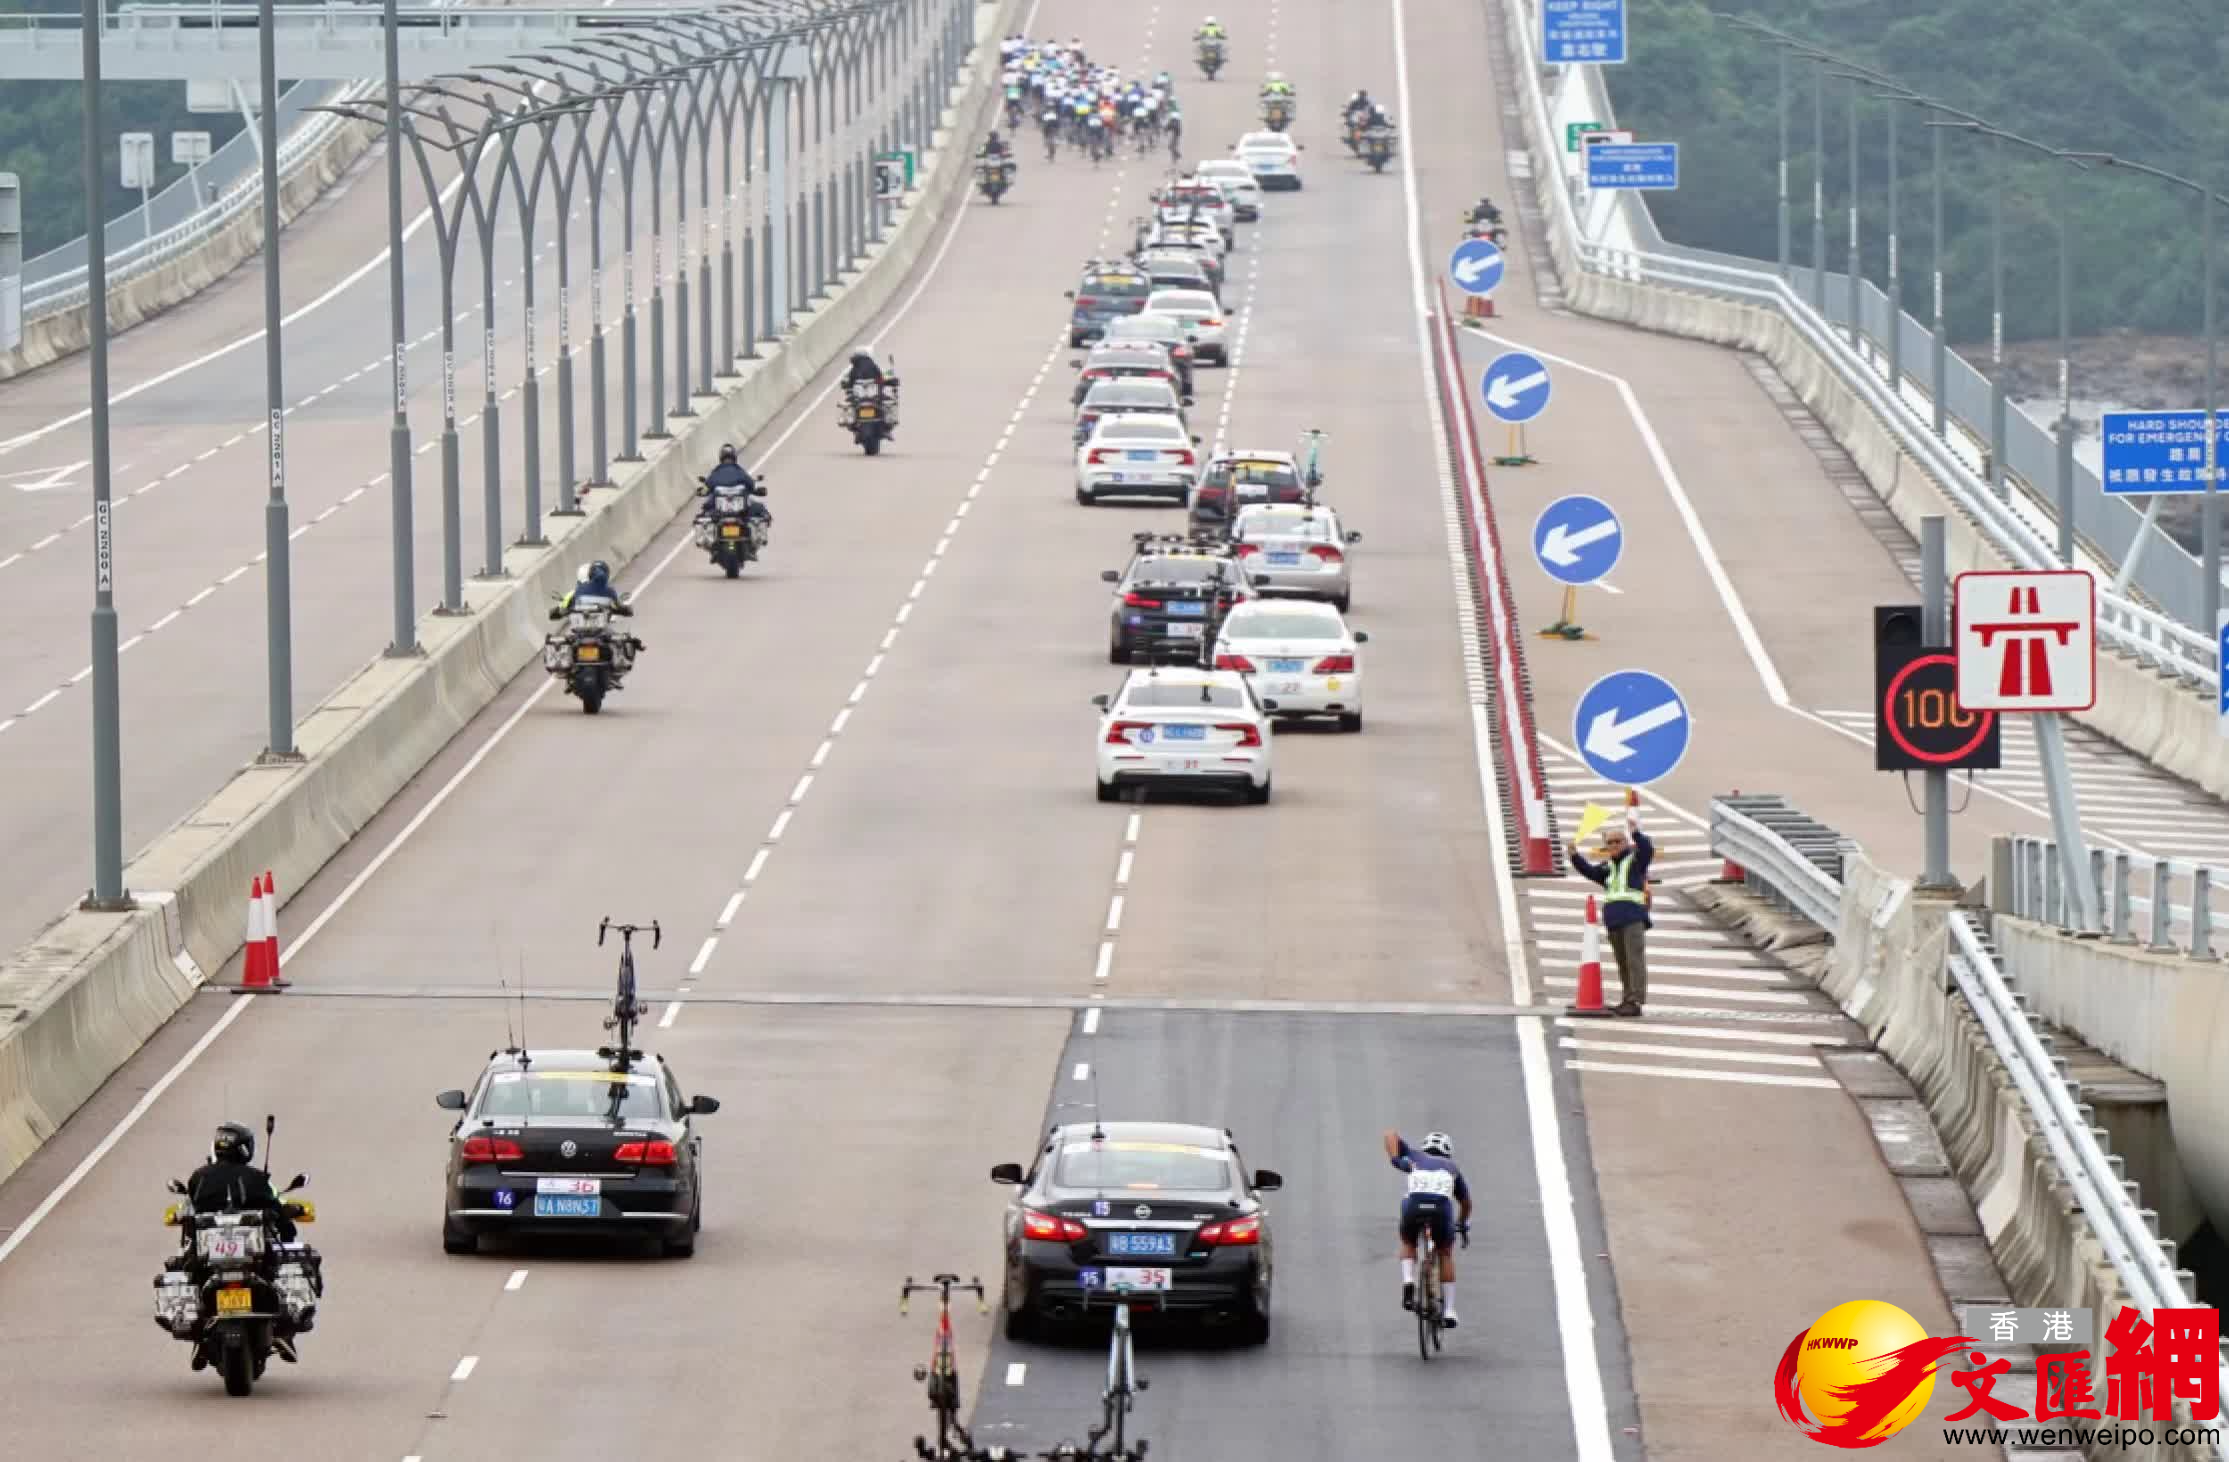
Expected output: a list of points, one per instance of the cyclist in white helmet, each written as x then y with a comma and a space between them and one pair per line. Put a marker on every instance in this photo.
1435, 1189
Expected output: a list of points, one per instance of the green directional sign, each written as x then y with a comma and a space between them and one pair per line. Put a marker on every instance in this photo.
893, 173
1573, 131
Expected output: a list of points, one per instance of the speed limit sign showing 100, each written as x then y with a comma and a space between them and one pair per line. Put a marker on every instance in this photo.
1918, 724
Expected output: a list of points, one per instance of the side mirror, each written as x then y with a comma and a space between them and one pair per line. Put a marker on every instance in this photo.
1268, 1180
1187, 400
701, 1105
1195, 439
1100, 701
1007, 1172
177, 1187
301, 1181
1192, 338
1362, 637
1067, 294
1269, 705
450, 1101
1075, 365
1354, 538
1110, 576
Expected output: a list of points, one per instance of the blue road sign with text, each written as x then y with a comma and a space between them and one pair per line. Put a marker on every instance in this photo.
2221, 648
1477, 266
1653, 165
1590, 32
2160, 451
1632, 727
1577, 540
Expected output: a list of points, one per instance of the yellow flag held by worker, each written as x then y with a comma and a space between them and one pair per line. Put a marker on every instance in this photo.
1591, 817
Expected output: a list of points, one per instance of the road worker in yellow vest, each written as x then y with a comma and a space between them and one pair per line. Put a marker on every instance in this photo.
1623, 874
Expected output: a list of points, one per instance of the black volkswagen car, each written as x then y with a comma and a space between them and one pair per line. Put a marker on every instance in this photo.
562, 1142
1165, 1211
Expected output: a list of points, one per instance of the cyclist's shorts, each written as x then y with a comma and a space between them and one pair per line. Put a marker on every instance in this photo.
1422, 1210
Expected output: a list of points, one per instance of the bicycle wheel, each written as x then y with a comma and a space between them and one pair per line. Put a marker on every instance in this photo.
1427, 1298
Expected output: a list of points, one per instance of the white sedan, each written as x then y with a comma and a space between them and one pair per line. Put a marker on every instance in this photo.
1295, 548
1170, 727
1132, 455
1237, 182
1202, 317
1273, 159
1299, 655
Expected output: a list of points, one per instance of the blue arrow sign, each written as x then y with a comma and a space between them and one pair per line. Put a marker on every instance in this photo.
2160, 451
1577, 540
1515, 387
1632, 727
1477, 266
1584, 31
1648, 165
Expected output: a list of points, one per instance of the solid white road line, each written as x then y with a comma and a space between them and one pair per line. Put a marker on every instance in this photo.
1091, 1021
464, 1368
517, 1281
1681, 1073
1717, 1033
1687, 1053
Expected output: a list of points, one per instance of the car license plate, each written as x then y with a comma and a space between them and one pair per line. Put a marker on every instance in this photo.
548, 1205
1140, 1281
1155, 1245
1286, 667
1281, 687
1282, 560
1135, 456
1185, 733
1187, 631
731, 530
236, 1300
588, 652
1187, 606
577, 1187
866, 412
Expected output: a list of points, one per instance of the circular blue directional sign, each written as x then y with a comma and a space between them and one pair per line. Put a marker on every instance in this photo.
1515, 387
1477, 266
1577, 539
1632, 727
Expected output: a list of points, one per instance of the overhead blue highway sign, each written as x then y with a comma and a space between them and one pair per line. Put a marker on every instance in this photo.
1647, 165
1577, 539
1589, 32
2160, 451
1632, 727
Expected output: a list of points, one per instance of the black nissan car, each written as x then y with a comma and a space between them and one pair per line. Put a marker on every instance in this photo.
562, 1142
1164, 1212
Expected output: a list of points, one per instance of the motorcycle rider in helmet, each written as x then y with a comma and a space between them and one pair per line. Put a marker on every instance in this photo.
1210, 29
1485, 212
994, 146
595, 584
728, 477
231, 1183
1358, 106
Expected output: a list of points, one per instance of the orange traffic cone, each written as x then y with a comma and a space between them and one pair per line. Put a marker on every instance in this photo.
1589, 1001
271, 960
254, 973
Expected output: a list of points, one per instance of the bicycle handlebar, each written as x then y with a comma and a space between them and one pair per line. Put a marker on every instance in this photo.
627, 932
943, 1284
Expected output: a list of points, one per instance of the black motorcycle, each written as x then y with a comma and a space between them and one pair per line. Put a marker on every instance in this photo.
590, 654
1377, 148
870, 412
994, 177
730, 530
1210, 57
235, 1291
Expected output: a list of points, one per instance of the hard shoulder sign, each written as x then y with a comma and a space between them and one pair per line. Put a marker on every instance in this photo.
2026, 640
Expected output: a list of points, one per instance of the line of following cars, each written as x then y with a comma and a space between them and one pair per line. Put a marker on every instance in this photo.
1238, 621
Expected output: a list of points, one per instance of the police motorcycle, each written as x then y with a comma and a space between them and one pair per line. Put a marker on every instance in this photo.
1210, 56
234, 1291
1277, 112
729, 529
869, 411
994, 176
1485, 222
1377, 145
590, 655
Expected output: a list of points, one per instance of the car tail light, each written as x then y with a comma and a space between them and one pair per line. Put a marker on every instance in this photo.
1244, 549
1185, 457
1247, 735
492, 1149
1087, 303
1326, 552
1037, 1225
1119, 733
1234, 662
1212, 324
1098, 455
1335, 665
656, 1153
1140, 601
1232, 1232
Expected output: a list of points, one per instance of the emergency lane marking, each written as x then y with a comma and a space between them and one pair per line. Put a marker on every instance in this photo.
1685, 1053
516, 1282
1740, 1078
464, 1368
1015, 1371
1082, 1071
1091, 1021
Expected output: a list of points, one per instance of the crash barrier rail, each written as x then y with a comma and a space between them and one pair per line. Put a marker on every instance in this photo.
66, 289
2178, 894
1793, 861
2152, 638
2126, 1232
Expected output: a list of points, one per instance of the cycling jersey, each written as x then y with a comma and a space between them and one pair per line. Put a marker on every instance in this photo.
1434, 1190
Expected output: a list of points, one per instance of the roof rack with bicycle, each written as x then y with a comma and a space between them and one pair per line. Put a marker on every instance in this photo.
626, 1006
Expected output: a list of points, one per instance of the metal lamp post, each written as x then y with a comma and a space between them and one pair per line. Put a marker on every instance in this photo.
108, 761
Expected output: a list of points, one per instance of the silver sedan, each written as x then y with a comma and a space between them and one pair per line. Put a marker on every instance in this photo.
1295, 549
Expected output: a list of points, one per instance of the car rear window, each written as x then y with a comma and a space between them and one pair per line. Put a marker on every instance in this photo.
584, 1094
1131, 397
1115, 286
1184, 299
1176, 570
1143, 1166
1253, 474
1288, 525
1273, 625
1131, 429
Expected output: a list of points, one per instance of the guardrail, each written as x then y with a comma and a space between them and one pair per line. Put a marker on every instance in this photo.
2177, 893
2149, 637
66, 290
2128, 1233
1794, 862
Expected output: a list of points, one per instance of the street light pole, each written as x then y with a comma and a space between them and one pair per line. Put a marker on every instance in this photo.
1857, 268
405, 641
1939, 347
1895, 268
2065, 425
278, 579
108, 761
1819, 186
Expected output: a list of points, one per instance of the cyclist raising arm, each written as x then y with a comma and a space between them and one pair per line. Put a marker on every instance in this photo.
1435, 1187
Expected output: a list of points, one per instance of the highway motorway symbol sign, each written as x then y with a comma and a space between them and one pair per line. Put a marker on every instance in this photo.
1515, 387
2025, 640
1477, 266
1647, 165
2160, 451
1589, 32
1577, 540
1632, 727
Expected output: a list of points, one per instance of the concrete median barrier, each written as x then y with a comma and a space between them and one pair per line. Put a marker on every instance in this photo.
193, 270
78, 1001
